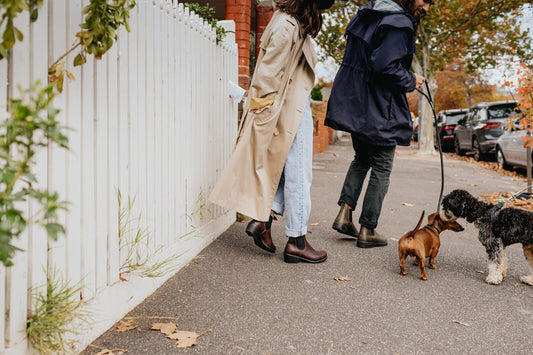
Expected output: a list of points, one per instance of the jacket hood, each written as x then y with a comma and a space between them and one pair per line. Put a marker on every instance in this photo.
367, 16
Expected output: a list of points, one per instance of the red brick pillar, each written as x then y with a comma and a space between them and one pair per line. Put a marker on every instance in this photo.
264, 14
240, 11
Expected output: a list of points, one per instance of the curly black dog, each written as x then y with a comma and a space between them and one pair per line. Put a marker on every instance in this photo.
497, 228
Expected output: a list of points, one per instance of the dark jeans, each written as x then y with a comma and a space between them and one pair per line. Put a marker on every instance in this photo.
379, 160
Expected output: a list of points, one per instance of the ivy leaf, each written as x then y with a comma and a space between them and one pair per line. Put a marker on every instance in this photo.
19, 34
54, 229
9, 36
79, 60
34, 15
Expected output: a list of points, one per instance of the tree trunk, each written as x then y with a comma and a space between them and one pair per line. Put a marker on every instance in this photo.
426, 142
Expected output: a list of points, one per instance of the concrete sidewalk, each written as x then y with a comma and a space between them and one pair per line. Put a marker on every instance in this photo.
254, 303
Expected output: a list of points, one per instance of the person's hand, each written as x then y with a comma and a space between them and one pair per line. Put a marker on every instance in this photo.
419, 80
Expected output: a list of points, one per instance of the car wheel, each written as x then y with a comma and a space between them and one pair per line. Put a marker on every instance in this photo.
500, 159
456, 147
478, 156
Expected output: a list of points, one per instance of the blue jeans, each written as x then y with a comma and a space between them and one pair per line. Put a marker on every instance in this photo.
379, 160
294, 190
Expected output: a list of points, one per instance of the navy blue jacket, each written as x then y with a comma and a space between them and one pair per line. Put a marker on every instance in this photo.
368, 95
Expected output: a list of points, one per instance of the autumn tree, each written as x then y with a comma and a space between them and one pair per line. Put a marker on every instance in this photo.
481, 32
460, 89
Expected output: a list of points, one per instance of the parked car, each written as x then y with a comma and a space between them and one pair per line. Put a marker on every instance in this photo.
479, 130
510, 151
415, 130
446, 122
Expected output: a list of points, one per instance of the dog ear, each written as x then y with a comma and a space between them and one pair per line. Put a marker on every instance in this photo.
431, 217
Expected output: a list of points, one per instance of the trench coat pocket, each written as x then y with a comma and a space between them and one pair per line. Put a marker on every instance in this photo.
263, 115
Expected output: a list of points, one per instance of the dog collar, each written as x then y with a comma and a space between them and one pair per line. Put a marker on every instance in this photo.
434, 227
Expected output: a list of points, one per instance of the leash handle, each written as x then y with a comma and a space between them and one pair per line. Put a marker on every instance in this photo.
516, 195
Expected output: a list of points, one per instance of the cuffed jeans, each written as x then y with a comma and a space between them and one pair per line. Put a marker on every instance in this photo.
379, 160
294, 190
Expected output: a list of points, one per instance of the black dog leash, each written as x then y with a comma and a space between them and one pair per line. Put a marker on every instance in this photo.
495, 210
430, 101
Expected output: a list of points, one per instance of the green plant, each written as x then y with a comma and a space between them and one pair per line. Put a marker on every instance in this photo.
316, 93
134, 242
102, 20
30, 126
11, 9
207, 13
54, 309
201, 206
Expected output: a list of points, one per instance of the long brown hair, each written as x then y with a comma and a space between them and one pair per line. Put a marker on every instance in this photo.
307, 12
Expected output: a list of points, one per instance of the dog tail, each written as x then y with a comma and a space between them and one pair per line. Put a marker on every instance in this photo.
412, 233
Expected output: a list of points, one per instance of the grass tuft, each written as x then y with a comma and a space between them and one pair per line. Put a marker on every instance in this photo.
134, 243
54, 309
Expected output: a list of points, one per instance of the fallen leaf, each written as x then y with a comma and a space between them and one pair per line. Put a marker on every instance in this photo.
165, 328
408, 204
518, 285
481, 272
353, 288
342, 278
186, 339
112, 352
364, 342
124, 326
461, 323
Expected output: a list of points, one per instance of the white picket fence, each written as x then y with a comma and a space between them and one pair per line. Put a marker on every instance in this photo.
153, 119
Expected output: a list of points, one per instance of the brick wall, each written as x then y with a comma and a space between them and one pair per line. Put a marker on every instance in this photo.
240, 11
264, 14
322, 135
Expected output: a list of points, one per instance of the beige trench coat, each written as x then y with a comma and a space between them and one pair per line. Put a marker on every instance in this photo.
279, 91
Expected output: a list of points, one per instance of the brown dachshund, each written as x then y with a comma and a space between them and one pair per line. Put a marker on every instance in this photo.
424, 242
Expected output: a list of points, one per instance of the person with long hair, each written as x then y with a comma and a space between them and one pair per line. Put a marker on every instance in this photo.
270, 170
368, 101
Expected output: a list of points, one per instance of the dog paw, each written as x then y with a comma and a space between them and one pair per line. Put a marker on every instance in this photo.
527, 280
432, 266
403, 272
424, 277
494, 279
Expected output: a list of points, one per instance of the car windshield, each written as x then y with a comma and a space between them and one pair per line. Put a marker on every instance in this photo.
453, 118
502, 111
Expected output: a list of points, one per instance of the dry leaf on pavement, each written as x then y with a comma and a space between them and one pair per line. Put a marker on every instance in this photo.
342, 278
124, 326
186, 339
165, 328
461, 323
112, 352
408, 204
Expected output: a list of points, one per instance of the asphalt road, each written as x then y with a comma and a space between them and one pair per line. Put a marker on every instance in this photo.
254, 303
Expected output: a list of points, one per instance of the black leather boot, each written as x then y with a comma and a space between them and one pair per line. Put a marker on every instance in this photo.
369, 238
343, 223
260, 231
299, 250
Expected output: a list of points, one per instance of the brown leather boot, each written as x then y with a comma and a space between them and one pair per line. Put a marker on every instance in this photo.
369, 238
299, 250
343, 223
260, 231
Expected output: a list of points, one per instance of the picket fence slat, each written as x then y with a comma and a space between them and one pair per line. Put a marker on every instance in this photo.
152, 119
